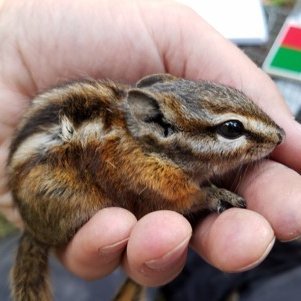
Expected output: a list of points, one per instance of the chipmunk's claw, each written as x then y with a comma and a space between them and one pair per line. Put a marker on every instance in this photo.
219, 199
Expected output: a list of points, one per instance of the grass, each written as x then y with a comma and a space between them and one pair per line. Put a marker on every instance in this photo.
280, 2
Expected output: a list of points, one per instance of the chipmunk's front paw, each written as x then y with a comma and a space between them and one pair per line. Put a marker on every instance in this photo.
219, 199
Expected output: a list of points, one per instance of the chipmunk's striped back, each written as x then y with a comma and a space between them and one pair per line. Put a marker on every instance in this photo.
94, 144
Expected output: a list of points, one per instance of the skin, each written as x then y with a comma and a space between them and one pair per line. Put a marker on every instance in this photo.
46, 42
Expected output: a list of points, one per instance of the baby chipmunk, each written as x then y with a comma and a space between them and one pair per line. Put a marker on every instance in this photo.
91, 144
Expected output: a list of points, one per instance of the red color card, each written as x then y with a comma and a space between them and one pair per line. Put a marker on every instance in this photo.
292, 39
284, 58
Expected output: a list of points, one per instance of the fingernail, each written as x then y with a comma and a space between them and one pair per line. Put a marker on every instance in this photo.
292, 237
170, 258
114, 248
257, 262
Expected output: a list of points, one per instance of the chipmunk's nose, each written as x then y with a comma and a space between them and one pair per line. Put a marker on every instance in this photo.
281, 136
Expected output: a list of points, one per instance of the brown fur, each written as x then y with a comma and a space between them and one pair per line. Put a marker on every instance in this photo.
130, 291
92, 144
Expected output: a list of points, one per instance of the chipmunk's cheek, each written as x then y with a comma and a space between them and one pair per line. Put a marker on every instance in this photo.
274, 191
236, 240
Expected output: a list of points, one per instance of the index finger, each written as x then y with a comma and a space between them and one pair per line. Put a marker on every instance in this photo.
234, 241
274, 191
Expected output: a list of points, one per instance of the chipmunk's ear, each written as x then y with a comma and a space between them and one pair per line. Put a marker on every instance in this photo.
146, 114
155, 78
143, 105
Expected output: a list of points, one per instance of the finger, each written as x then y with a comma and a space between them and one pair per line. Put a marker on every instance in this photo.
236, 240
274, 191
157, 248
96, 249
288, 153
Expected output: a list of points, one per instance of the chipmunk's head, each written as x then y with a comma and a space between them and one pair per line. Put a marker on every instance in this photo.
203, 125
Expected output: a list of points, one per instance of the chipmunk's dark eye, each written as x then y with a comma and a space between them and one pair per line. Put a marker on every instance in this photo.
231, 129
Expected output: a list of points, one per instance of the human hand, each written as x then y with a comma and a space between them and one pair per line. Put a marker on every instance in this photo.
45, 43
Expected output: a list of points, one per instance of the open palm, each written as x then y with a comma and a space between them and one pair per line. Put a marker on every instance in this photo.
44, 43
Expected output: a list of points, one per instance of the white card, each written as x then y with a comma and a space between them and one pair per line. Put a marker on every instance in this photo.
241, 21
